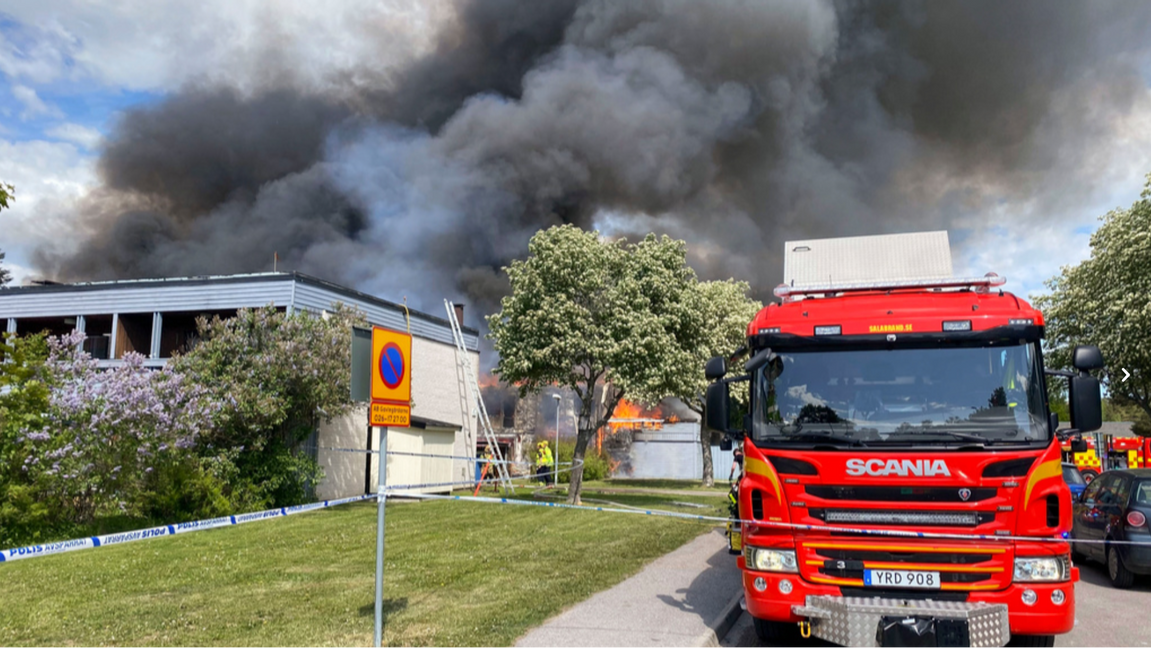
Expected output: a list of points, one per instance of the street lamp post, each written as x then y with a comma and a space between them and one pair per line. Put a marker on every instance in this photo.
556, 463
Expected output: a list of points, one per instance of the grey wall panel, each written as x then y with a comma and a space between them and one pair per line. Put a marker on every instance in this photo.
315, 298
224, 293
670, 453
145, 299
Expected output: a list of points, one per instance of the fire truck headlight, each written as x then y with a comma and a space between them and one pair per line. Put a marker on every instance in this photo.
1050, 569
772, 560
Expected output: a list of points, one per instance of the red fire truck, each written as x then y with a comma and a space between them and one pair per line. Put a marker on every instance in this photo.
913, 406
1122, 453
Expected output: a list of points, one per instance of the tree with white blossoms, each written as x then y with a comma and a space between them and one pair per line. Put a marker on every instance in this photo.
726, 310
1106, 301
588, 313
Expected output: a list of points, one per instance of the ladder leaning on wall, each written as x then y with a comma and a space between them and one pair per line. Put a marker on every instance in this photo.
477, 399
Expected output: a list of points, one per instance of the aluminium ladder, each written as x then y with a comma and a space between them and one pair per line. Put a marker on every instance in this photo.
481, 412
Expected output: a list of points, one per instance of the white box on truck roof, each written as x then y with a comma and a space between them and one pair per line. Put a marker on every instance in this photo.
864, 259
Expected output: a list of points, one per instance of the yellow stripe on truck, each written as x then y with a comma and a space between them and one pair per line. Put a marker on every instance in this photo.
1045, 470
760, 467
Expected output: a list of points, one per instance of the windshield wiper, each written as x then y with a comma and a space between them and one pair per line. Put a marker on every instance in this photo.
960, 436
816, 435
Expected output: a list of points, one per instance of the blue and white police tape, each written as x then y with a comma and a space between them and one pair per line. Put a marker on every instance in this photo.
494, 481
887, 533
417, 454
201, 525
92, 542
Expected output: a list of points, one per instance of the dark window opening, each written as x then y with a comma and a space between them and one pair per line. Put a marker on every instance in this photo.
53, 326
98, 329
134, 334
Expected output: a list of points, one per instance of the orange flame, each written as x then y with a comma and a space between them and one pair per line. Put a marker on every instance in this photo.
631, 416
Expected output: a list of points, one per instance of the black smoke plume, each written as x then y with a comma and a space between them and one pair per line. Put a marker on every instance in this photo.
735, 125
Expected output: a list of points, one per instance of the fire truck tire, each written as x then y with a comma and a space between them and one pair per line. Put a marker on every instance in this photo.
770, 631
1089, 475
1032, 640
1121, 577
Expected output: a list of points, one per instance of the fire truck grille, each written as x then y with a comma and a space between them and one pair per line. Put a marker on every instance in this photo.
900, 493
831, 569
905, 556
959, 570
903, 518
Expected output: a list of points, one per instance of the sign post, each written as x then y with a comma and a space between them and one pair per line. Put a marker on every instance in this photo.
381, 496
391, 407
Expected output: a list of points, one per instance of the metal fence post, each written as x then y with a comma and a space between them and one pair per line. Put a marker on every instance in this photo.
381, 496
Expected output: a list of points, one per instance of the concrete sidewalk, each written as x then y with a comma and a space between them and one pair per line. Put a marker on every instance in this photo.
685, 598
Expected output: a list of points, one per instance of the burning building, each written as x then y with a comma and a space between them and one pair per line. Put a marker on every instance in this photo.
657, 443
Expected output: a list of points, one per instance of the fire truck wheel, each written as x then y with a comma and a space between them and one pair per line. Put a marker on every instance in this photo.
770, 631
1032, 640
1121, 577
1089, 475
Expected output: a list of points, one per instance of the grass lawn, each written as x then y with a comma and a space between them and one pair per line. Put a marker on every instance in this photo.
457, 573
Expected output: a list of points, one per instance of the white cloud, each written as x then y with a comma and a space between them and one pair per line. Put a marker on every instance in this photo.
49, 178
160, 46
36, 53
33, 104
89, 138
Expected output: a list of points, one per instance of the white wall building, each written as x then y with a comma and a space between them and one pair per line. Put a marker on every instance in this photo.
156, 317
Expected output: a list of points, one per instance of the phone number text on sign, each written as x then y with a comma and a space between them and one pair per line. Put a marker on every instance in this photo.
391, 415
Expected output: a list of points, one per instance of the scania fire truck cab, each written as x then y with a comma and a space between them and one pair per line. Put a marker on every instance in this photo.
886, 410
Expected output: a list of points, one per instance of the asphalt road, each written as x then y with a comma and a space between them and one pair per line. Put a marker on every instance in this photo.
1105, 616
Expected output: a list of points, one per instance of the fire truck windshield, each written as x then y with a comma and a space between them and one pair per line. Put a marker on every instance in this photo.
900, 397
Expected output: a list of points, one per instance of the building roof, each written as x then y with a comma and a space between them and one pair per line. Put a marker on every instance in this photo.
218, 292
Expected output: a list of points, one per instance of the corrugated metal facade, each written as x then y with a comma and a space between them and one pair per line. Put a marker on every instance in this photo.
671, 453
197, 294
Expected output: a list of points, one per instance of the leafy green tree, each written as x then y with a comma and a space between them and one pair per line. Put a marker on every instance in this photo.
591, 314
726, 311
277, 375
24, 397
7, 193
1106, 300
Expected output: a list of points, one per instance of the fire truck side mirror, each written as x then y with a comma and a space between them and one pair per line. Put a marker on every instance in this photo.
716, 406
725, 444
1087, 357
1086, 404
1078, 444
716, 368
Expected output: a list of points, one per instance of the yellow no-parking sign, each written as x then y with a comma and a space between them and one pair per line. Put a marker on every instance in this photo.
391, 378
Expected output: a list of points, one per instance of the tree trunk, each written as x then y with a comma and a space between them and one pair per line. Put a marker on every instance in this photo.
576, 486
589, 422
705, 449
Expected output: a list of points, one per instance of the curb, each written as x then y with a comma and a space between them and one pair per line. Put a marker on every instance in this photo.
719, 628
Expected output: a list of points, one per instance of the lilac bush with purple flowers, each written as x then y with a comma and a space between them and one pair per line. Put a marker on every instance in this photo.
219, 430
106, 431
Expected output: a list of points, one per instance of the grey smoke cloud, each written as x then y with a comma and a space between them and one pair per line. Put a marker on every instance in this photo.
735, 125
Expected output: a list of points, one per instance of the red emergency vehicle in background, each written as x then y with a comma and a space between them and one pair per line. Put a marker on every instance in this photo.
1122, 453
913, 405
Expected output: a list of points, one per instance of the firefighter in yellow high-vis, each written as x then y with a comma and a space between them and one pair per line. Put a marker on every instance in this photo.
544, 462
